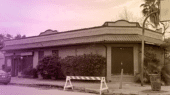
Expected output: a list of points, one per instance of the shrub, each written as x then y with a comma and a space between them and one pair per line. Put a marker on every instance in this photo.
151, 63
50, 67
151, 66
35, 74
166, 74
6, 68
30, 72
84, 65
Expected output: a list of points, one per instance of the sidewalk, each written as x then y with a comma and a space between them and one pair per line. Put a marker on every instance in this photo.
127, 88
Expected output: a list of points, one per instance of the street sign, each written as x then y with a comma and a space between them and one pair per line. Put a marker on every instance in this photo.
164, 10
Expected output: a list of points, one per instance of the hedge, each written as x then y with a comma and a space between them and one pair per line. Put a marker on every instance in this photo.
84, 65
50, 67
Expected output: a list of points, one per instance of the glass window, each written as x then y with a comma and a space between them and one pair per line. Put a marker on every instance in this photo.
55, 52
40, 55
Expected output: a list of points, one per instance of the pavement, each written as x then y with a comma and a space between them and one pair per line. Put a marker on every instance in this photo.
128, 88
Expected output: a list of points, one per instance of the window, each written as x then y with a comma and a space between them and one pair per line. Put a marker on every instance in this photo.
55, 52
40, 55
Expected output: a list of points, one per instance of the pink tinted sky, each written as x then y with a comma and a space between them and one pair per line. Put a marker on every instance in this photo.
30, 17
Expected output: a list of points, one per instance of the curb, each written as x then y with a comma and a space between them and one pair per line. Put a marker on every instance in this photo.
37, 85
78, 89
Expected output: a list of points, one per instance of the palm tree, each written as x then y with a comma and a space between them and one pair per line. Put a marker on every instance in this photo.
149, 7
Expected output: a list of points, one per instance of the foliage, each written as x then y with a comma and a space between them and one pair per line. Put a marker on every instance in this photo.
84, 65
149, 7
138, 75
128, 16
9, 37
18, 36
166, 74
30, 72
167, 53
6, 68
151, 65
50, 67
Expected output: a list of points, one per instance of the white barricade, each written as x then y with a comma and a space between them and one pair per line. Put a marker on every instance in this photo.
102, 79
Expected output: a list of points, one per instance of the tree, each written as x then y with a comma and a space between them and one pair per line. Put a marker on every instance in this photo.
18, 36
153, 6
1, 40
9, 36
149, 7
4, 37
127, 15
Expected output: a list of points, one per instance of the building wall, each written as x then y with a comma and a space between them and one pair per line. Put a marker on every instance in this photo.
99, 49
47, 52
95, 49
80, 50
67, 51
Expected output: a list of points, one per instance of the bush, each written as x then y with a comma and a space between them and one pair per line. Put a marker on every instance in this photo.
165, 74
35, 74
84, 65
6, 68
50, 67
151, 66
30, 72
151, 63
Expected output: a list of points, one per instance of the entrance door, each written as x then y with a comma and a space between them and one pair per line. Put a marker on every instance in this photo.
15, 67
122, 57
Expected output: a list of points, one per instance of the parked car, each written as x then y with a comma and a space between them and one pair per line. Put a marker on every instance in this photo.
5, 77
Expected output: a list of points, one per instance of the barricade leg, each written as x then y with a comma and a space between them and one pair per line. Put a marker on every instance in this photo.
66, 84
103, 81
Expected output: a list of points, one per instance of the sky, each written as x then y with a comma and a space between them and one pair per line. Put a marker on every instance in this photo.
31, 17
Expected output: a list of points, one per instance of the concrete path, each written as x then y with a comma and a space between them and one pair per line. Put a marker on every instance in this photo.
127, 88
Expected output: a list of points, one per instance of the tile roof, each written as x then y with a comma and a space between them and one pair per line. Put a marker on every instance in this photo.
83, 40
84, 33
111, 32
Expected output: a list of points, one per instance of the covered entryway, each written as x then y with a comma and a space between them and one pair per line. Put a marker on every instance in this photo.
15, 63
122, 57
21, 64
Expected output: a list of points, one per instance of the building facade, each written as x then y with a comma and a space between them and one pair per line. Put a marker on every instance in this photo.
119, 42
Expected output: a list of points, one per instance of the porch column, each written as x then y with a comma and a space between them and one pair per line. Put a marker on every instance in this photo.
35, 59
109, 57
135, 56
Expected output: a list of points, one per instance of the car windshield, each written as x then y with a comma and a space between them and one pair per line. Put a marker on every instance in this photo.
1, 71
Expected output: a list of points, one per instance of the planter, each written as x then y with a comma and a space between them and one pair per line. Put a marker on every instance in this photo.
155, 80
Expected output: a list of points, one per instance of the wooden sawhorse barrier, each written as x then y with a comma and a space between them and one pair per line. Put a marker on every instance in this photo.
102, 79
